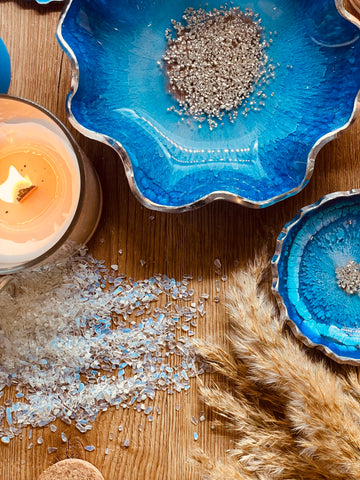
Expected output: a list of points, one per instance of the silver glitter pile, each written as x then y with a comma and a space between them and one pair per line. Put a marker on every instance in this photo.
214, 61
348, 277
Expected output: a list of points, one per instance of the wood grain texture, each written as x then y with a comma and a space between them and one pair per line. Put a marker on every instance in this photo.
169, 243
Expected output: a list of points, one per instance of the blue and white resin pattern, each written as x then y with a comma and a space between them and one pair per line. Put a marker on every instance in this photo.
318, 241
120, 97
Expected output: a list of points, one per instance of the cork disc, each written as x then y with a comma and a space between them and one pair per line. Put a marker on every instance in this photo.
71, 469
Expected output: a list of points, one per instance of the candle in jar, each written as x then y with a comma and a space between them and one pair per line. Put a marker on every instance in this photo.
31, 156
42, 187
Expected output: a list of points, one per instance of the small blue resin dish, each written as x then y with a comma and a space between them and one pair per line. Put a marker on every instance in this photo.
311, 249
119, 96
5, 68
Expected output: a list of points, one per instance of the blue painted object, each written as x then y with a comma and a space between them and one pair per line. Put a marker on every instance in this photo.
5, 68
323, 237
119, 96
43, 2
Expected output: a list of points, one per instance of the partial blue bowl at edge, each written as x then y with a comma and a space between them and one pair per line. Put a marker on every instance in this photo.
322, 238
119, 97
5, 68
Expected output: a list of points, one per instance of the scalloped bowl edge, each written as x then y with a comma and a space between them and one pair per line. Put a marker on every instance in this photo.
215, 195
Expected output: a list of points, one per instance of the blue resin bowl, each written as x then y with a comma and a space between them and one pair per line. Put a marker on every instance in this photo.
119, 97
323, 237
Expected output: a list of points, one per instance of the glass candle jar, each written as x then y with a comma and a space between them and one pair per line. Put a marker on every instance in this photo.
50, 195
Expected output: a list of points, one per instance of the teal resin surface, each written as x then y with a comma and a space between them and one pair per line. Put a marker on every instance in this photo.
319, 240
119, 96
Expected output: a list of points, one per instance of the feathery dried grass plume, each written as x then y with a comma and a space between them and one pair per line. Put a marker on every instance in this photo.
294, 414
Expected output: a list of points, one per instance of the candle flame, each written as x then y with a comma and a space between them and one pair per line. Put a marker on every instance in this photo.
10, 188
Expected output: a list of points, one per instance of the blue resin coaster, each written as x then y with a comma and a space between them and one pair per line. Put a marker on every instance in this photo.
5, 68
120, 97
317, 275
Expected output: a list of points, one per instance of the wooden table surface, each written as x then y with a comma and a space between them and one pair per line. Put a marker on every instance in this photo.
174, 244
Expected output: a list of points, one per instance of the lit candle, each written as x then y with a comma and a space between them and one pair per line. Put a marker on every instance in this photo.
50, 196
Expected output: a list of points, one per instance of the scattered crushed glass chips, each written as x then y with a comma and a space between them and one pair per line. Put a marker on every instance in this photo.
77, 338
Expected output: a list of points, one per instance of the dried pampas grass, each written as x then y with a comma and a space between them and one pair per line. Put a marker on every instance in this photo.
295, 414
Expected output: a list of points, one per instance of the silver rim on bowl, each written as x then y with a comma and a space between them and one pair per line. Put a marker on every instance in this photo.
216, 195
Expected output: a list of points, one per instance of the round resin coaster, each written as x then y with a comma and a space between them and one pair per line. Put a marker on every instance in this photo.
71, 469
316, 275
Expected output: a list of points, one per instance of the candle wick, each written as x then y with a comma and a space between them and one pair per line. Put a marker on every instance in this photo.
24, 193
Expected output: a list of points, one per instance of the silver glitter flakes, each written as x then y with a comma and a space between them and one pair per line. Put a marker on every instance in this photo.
348, 277
213, 62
